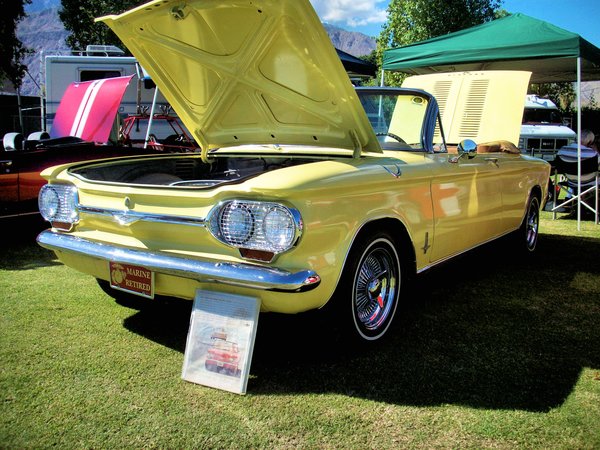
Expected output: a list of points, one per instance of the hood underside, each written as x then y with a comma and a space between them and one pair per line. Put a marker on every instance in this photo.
247, 72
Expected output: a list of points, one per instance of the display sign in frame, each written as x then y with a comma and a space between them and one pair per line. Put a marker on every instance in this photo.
220, 340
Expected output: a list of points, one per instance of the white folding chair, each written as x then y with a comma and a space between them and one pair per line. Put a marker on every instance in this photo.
589, 183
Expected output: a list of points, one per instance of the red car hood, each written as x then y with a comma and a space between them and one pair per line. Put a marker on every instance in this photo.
88, 109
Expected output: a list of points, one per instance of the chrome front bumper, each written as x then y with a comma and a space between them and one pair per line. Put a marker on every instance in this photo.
244, 274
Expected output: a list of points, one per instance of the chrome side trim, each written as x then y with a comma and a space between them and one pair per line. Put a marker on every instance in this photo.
126, 217
236, 274
397, 173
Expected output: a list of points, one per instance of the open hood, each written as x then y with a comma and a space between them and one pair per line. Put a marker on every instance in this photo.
483, 105
88, 109
247, 72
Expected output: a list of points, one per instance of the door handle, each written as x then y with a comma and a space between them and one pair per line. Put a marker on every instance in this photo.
492, 160
5, 164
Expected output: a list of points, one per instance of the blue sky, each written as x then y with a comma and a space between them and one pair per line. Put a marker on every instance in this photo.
367, 16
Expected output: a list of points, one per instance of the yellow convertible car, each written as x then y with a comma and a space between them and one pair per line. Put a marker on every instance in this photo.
307, 191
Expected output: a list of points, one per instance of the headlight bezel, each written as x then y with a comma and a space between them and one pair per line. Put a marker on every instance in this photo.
63, 212
263, 235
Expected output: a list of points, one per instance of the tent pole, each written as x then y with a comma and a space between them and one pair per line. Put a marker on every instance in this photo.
151, 117
381, 81
579, 143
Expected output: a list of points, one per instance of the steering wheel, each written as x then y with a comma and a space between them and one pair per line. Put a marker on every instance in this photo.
393, 136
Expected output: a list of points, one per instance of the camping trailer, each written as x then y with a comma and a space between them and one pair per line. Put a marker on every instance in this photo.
98, 62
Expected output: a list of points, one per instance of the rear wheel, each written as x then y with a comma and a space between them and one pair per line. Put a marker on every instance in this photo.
528, 233
369, 289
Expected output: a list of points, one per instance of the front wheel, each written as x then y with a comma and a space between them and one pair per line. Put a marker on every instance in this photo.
369, 288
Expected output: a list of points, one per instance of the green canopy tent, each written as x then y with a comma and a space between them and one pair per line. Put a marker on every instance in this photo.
515, 42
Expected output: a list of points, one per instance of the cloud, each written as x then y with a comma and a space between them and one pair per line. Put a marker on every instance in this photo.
353, 13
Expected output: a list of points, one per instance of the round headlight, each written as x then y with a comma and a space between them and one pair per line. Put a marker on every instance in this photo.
237, 223
279, 228
48, 202
58, 205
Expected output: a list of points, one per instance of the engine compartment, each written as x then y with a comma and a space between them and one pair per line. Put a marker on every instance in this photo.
183, 170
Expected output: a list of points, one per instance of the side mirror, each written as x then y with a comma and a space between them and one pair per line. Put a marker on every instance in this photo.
466, 147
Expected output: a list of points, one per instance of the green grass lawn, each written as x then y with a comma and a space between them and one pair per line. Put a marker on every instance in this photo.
492, 350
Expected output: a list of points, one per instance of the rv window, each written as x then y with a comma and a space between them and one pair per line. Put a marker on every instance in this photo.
535, 115
89, 75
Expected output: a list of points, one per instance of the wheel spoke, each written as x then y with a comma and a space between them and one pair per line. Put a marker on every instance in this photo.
380, 274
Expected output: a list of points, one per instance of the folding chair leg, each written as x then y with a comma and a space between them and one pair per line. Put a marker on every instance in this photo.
596, 211
555, 195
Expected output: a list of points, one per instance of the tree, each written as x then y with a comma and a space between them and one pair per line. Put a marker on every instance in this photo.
410, 21
562, 94
78, 18
370, 58
12, 50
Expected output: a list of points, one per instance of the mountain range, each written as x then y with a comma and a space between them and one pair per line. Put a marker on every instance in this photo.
43, 31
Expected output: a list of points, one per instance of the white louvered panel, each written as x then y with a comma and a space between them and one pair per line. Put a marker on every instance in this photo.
474, 105
441, 92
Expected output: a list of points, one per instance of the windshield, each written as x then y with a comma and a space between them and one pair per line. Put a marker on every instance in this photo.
397, 119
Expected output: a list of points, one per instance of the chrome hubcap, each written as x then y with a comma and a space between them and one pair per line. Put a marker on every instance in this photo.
532, 225
375, 289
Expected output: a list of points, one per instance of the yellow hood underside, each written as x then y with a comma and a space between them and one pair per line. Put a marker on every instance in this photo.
247, 72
